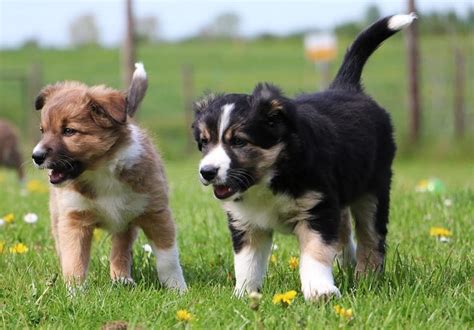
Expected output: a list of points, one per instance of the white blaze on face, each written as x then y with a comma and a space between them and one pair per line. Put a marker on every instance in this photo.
217, 157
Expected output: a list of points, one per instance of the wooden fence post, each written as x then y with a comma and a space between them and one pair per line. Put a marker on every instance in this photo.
459, 88
413, 78
128, 49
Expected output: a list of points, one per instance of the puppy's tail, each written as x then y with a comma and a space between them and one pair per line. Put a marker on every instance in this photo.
348, 76
137, 90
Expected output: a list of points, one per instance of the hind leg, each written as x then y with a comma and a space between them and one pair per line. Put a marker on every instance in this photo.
371, 215
347, 255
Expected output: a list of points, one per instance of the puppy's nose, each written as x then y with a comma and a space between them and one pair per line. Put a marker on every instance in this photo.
39, 157
209, 172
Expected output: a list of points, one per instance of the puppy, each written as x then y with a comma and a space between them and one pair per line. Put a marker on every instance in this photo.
301, 166
10, 155
104, 172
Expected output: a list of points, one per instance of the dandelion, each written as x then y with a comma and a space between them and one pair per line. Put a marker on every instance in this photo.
97, 234
36, 186
30, 218
440, 232
9, 218
448, 202
19, 248
147, 248
183, 315
2, 246
255, 299
345, 313
273, 259
284, 299
293, 263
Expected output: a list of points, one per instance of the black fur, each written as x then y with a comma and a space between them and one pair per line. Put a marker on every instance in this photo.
338, 142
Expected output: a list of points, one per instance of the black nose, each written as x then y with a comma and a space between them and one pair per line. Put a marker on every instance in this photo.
209, 172
39, 157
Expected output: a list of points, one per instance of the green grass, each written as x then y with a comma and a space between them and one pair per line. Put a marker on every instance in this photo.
427, 283
238, 66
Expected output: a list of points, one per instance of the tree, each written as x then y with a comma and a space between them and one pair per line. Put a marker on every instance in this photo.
224, 26
83, 31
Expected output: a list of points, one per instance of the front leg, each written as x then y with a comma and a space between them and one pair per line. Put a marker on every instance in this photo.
252, 249
121, 255
318, 246
74, 238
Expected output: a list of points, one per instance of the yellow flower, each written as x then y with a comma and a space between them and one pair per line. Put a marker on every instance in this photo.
284, 298
273, 259
2, 178
184, 316
2, 246
346, 313
440, 231
294, 262
19, 248
36, 186
98, 234
9, 218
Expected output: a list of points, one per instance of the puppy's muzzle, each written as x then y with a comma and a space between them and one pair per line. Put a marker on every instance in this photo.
39, 157
208, 172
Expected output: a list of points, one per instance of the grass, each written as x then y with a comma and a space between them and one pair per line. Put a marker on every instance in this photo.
427, 283
238, 66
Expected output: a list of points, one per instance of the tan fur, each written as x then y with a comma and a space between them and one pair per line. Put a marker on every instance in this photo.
369, 259
312, 244
105, 133
10, 155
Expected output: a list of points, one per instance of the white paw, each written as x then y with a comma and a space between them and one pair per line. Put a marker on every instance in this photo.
317, 291
126, 281
73, 290
177, 284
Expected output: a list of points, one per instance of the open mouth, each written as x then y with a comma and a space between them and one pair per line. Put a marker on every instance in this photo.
59, 174
223, 192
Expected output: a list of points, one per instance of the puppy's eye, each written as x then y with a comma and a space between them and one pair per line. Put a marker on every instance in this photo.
69, 131
237, 142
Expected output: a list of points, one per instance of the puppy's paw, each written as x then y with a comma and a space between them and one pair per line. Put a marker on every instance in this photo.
74, 290
320, 291
124, 281
177, 284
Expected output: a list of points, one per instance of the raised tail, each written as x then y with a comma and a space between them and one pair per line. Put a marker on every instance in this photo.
137, 90
348, 76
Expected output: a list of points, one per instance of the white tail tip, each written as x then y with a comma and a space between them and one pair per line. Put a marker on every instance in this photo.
139, 70
398, 22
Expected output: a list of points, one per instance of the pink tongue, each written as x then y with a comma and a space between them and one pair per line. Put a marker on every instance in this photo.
56, 176
222, 191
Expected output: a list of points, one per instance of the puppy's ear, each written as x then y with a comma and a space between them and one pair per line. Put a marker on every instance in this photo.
43, 95
202, 105
269, 99
137, 89
107, 106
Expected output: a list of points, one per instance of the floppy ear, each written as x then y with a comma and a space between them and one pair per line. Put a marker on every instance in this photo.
43, 95
107, 106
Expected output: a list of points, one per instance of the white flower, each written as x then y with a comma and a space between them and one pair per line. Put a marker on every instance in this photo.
2, 222
30, 218
274, 247
443, 239
147, 248
448, 202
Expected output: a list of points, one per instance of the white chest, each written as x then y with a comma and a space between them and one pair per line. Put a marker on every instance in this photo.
262, 209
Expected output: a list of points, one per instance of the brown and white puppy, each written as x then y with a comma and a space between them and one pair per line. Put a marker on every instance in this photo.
10, 155
104, 172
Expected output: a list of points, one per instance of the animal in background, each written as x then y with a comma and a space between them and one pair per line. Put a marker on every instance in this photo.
10, 155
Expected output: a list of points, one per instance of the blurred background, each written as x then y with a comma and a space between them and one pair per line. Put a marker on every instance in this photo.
424, 76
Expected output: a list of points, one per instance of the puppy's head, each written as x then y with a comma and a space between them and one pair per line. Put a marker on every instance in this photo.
241, 137
81, 126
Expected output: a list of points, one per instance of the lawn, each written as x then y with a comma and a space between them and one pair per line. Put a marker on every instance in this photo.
427, 283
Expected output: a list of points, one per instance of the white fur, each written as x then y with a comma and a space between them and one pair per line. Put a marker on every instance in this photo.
398, 22
261, 208
250, 266
217, 158
225, 119
169, 270
139, 71
116, 203
316, 279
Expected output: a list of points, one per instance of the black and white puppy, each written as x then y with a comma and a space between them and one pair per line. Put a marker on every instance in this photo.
302, 166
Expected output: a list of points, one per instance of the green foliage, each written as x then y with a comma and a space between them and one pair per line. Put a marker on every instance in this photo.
236, 66
427, 283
